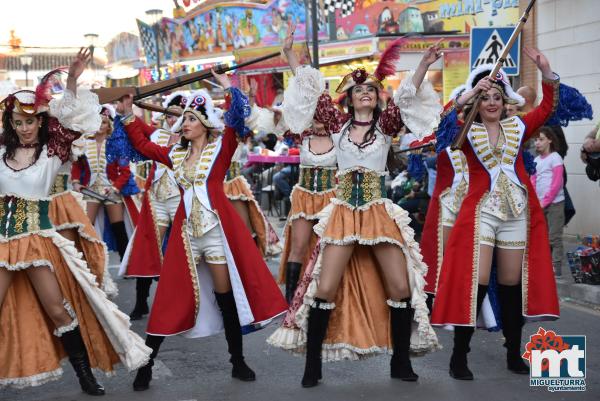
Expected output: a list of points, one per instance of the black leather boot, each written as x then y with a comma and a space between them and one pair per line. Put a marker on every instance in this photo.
142, 291
144, 374
292, 275
459, 369
233, 335
512, 324
75, 349
401, 319
121, 238
318, 320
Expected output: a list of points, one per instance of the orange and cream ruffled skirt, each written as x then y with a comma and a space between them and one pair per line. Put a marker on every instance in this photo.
67, 211
267, 239
307, 205
359, 325
31, 354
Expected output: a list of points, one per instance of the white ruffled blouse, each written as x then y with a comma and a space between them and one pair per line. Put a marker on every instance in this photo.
70, 116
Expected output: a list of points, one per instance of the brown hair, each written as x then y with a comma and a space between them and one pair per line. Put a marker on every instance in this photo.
552, 137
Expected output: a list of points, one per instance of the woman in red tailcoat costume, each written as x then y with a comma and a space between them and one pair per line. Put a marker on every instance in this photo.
211, 254
500, 212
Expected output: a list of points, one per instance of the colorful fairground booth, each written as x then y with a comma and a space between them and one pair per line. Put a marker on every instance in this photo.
206, 33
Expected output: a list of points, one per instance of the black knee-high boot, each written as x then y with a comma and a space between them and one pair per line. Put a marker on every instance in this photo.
233, 335
75, 349
142, 291
511, 301
292, 275
459, 368
318, 320
144, 374
401, 319
118, 230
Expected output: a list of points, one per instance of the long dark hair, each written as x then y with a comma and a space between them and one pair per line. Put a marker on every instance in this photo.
10, 139
552, 137
186, 142
368, 136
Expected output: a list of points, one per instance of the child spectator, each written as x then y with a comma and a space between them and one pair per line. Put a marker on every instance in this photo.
548, 182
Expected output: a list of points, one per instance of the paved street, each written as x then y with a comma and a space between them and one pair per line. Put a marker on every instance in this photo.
199, 370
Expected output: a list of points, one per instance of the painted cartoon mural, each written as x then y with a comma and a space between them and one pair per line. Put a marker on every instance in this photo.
229, 26
422, 16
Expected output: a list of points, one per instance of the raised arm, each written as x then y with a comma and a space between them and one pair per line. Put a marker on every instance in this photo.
550, 81
136, 132
287, 49
238, 110
431, 55
73, 114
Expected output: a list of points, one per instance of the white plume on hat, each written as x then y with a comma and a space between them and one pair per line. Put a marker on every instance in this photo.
500, 76
456, 92
215, 115
111, 109
172, 96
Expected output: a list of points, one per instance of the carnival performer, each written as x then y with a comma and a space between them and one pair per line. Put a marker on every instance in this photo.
314, 190
361, 231
159, 205
99, 172
500, 213
45, 286
240, 194
210, 254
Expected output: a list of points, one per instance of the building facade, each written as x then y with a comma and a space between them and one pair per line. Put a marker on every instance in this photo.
568, 32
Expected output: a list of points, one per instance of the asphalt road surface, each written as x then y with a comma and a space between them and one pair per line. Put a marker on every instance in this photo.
198, 369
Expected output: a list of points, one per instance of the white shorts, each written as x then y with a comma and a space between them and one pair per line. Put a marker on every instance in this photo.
209, 246
165, 210
509, 234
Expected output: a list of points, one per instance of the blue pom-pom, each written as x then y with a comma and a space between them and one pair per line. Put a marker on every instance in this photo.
130, 188
415, 168
118, 146
447, 131
572, 106
529, 161
239, 110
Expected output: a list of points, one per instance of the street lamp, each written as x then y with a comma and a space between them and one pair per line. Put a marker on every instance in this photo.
91, 39
26, 63
155, 15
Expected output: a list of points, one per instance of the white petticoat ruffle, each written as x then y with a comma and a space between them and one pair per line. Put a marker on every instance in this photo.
420, 109
301, 98
130, 347
423, 337
79, 113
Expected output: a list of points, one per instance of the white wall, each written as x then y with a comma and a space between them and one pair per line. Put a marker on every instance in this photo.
569, 35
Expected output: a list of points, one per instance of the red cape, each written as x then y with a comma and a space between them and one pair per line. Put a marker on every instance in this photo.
431, 239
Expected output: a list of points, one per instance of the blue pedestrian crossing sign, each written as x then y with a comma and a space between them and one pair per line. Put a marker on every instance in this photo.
487, 44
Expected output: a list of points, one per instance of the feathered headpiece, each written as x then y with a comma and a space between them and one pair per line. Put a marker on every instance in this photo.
500, 82
385, 68
109, 111
175, 99
201, 105
30, 102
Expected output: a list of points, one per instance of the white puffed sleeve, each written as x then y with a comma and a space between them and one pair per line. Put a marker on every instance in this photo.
420, 109
261, 119
79, 113
77, 148
301, 97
